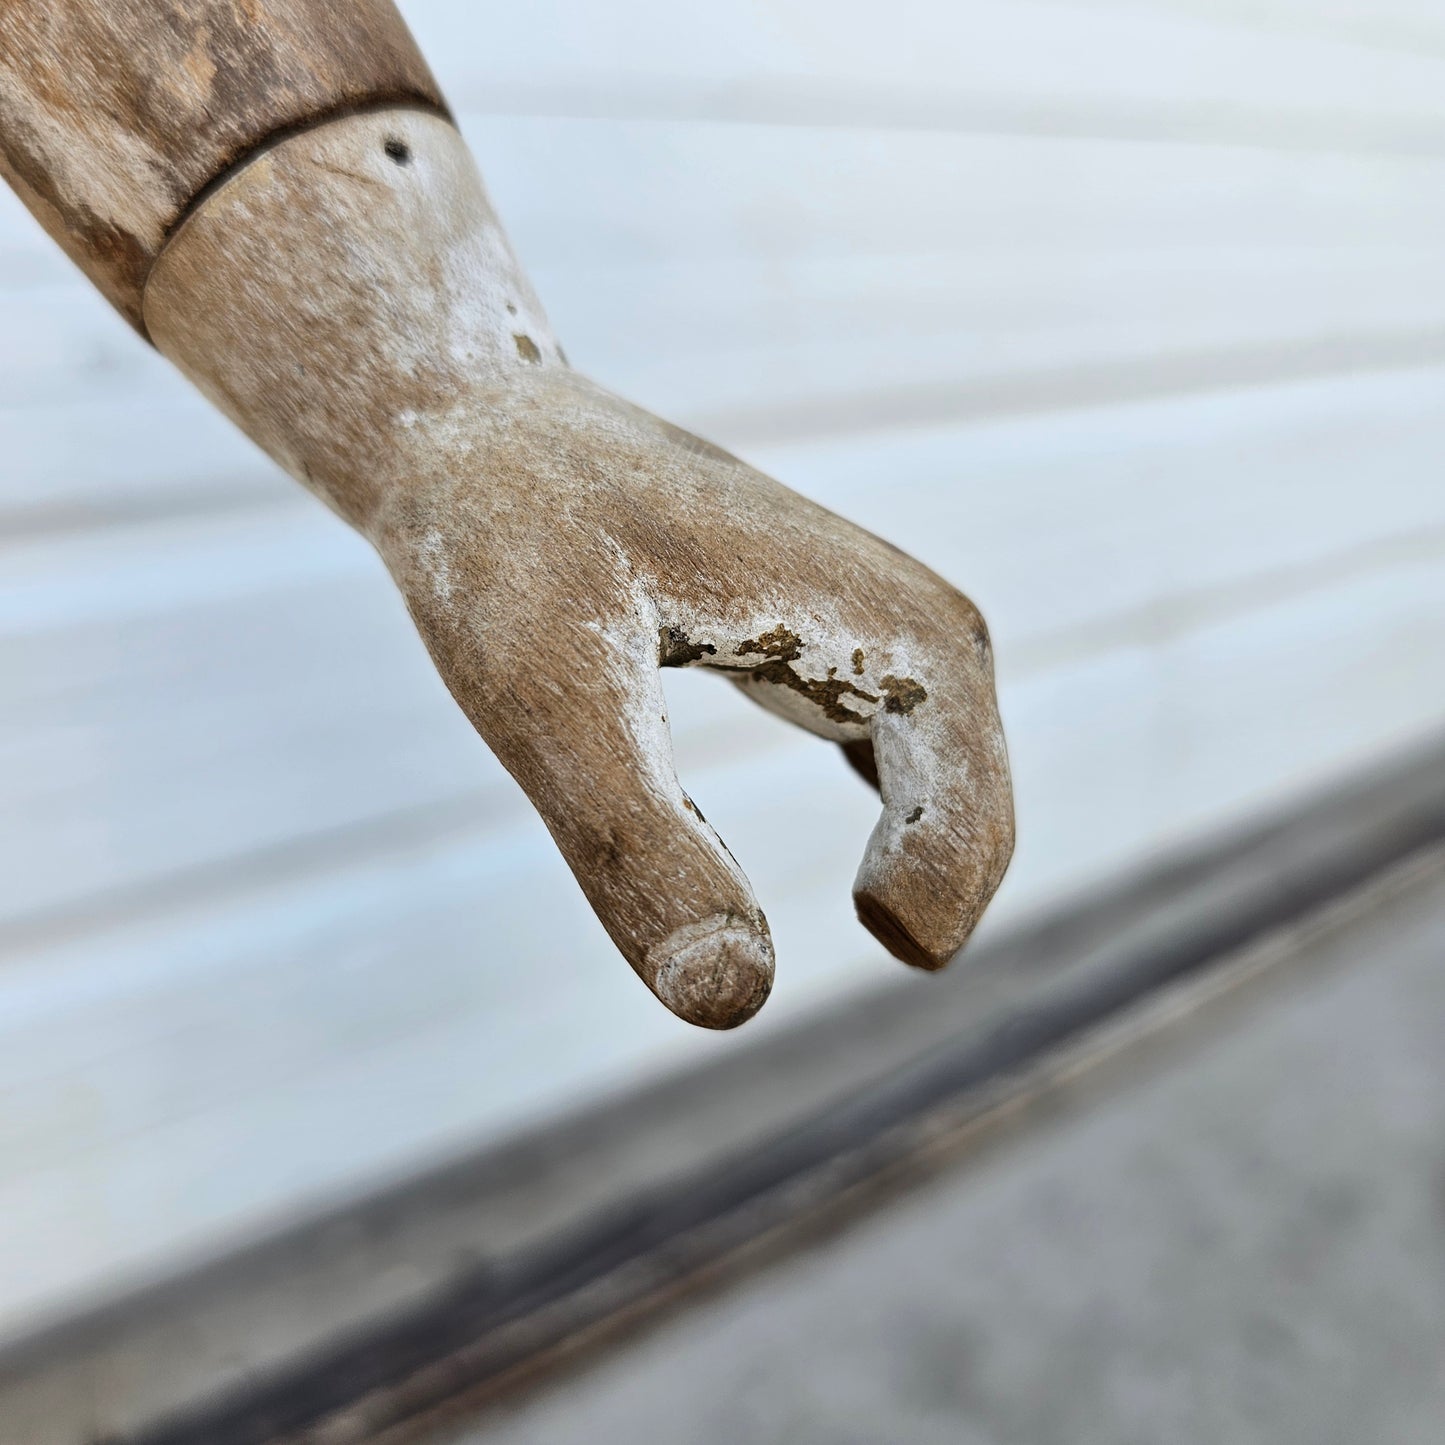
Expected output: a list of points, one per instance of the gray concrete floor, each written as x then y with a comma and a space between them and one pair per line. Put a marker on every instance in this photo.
1240, 1240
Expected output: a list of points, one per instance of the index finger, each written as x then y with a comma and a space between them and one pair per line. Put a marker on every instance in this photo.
944, 840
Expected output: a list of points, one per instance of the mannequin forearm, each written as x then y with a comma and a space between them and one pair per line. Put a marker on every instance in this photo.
349, 299
115, 115
242, 183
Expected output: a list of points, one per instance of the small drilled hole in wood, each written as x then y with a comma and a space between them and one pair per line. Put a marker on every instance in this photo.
398, 150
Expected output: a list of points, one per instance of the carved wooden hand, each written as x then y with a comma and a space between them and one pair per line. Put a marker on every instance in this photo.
346, 295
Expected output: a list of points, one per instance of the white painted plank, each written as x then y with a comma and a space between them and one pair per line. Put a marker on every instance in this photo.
742, 59
1412, 27
60, 342
213, 689
93, 460
647, 192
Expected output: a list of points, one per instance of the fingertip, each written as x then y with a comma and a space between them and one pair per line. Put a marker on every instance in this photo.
716, 973
884, 923
940, 848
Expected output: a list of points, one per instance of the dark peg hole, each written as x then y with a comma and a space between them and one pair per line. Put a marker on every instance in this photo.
398, 150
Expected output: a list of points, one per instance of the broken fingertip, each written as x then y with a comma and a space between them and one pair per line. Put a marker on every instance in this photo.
889, 929
716, 974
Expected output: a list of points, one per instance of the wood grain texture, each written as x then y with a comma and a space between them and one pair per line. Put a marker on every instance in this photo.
115, 114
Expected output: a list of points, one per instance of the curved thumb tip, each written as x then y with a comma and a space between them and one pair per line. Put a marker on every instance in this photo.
716, 973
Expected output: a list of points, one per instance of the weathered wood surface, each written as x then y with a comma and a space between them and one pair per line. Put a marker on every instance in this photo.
115, 114
556, 546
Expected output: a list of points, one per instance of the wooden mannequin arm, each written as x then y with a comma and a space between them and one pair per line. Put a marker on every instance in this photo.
116, 115
320, 257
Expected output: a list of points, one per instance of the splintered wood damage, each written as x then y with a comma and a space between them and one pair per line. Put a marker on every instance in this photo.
676, 649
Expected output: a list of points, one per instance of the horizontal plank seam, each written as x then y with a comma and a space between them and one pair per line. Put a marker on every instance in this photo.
801, 104
1176, 615
1070, 388
239, 875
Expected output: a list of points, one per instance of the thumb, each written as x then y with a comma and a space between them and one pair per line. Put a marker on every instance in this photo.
581, 723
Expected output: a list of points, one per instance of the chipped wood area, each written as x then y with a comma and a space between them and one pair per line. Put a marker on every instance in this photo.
116, 114
556, 545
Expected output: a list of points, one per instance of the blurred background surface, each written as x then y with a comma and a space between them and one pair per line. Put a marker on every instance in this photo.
1232, 1239
1126, 315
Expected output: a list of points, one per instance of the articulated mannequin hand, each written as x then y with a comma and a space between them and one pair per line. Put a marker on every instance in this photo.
347, 297
350, 300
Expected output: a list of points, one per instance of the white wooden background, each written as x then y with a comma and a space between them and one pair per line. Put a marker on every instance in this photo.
1128, 315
